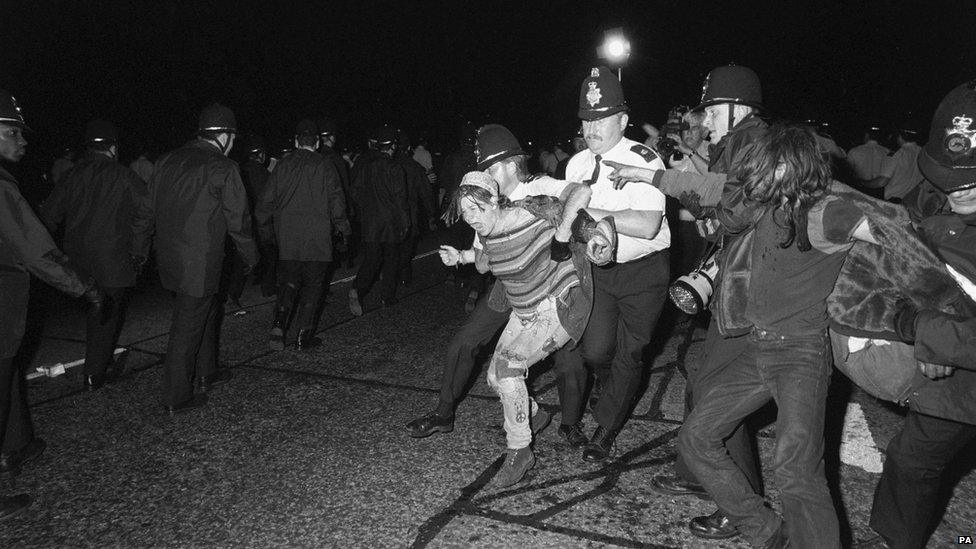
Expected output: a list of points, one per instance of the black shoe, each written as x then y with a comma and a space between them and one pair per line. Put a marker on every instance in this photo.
11, 463
95, 382
429, 424
714, 526
11, 506
674, 486
207, 383
195, 401
276, 339
307, 339
573, 434
600, 446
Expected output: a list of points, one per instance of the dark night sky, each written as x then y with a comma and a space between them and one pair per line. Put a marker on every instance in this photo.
426, 66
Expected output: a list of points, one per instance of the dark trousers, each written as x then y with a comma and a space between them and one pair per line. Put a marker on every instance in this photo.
16, 428
266, 272
627, 301
380, 259
481, 325
100, 339
906, 499
794, 372
192, 349
701, 375
234, 277
304, 281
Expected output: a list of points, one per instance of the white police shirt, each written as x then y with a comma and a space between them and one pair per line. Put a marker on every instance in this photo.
634, 196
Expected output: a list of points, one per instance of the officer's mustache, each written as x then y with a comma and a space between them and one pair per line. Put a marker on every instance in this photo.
593, 137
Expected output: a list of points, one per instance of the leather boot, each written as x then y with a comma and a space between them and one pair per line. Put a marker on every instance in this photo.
714, 526
283, 306
307, 339
600, 446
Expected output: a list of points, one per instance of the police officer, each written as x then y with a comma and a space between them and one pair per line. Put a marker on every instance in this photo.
421, 202
255, 174
941, 420
95, 202
630, 292
25, 248
328, 135
379, 190
732, 100
195, 200
300, 207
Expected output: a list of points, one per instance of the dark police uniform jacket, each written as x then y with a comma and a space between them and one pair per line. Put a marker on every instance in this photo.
340, 166
379, 191
195, 200
419, 195
301, 204
96, 202
255, 177
26, 246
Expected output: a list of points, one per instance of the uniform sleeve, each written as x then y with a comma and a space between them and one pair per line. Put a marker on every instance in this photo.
831, 223
547, 186
233, 199
645, 197
945, 339
337, 199
32, 245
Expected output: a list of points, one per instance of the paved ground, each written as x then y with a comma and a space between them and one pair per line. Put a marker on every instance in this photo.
308, 449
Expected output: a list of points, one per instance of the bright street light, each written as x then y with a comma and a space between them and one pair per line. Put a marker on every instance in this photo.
615, 48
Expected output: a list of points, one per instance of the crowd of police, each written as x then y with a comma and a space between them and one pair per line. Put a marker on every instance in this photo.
790, 236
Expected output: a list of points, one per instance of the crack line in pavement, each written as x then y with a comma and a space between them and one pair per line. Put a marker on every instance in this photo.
467, 505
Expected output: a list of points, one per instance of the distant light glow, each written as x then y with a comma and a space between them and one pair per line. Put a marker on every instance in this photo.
615, 47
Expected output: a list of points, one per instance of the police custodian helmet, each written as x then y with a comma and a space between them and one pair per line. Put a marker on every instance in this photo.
948, 160
494, 144
101, 131
601, 95
10, 112
217, 118
731, 84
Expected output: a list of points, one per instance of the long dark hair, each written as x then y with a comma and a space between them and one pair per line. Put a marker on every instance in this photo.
480, 195
805, 179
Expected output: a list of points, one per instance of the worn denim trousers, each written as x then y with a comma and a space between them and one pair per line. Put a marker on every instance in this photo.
794, 372
526, 339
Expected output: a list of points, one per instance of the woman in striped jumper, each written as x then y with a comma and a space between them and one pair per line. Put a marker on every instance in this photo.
549, 303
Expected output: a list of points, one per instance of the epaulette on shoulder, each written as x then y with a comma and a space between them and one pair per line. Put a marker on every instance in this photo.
645, 152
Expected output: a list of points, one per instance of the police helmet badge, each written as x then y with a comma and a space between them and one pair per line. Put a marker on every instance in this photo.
593, 95
959, 140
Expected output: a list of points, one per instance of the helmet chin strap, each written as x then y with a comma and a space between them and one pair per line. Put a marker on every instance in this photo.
731, 116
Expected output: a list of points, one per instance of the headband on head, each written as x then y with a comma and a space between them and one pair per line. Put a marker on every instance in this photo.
480, 179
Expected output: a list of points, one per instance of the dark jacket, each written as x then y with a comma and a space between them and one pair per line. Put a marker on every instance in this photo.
379, 191
419, 195
195, 200
341, 168
26, 247
453, 168
255, 178
96, 201
946, 336
301, 204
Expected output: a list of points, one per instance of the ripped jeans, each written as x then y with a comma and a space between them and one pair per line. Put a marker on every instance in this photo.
527, 339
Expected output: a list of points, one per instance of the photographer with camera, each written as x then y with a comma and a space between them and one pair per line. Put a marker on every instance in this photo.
731, 101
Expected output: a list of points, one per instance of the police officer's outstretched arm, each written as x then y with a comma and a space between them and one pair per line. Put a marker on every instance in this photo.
233, 200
